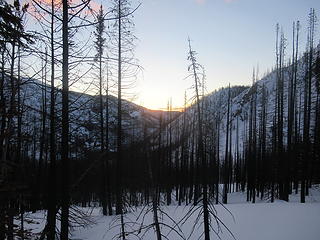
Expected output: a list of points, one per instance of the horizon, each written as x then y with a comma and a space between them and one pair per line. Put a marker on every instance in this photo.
248, 42
237, 34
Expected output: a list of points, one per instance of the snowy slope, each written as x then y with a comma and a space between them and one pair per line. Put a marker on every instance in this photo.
84, 116
215, 108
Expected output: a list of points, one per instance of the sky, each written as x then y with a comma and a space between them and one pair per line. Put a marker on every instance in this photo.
230, 36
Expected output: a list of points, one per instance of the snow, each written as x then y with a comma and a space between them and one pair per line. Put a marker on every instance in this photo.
263, 221
279, 220
215, 109
84, 116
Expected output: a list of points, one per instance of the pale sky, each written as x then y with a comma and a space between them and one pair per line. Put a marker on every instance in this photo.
230, 36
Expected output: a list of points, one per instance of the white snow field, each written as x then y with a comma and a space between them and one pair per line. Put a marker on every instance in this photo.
260, 221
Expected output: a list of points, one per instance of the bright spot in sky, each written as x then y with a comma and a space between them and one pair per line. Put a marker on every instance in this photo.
230, 36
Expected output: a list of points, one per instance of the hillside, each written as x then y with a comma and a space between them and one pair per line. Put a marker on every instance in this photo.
84, 116
215, 104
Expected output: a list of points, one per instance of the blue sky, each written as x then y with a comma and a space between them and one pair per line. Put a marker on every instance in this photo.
230, 36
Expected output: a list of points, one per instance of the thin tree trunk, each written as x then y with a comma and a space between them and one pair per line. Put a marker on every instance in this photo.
52, 196
65, 127
202, 159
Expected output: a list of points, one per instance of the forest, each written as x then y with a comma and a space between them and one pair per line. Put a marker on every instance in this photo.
72, 138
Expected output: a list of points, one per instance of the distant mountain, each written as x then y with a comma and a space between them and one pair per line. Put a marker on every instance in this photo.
84, 114
84, 117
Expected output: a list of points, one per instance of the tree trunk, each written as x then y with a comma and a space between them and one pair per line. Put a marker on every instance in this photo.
65, 127
52, 196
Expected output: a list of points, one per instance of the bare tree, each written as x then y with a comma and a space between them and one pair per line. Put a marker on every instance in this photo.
195, 67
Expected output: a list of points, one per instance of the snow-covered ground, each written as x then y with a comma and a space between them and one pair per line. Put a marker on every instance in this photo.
260, 221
